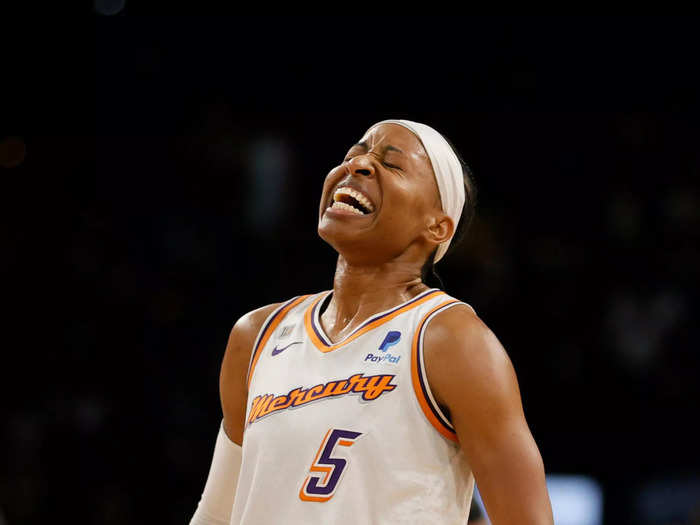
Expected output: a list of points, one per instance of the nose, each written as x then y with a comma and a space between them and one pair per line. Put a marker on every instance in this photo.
361, 165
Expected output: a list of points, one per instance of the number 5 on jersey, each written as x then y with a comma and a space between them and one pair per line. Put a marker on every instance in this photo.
329, 468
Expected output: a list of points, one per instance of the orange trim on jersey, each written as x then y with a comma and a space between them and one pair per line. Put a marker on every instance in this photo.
423, 400
305, 497
316, 468
323, 347
262, 340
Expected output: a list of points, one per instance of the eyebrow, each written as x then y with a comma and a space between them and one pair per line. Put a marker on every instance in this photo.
388, 147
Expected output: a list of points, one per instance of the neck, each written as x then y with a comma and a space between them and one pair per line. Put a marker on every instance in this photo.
362, 291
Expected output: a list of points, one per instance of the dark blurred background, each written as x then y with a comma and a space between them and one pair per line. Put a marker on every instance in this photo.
176, 187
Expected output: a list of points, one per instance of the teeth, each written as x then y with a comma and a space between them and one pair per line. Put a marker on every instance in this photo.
356, 195
343, 206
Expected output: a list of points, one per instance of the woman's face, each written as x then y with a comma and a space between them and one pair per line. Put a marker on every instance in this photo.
381, 198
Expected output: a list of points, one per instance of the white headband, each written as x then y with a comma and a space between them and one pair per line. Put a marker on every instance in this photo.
447, 169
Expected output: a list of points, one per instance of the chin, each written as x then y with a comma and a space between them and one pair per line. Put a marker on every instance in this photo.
351, 247
330, 234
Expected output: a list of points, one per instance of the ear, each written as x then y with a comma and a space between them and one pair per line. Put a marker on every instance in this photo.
440, 228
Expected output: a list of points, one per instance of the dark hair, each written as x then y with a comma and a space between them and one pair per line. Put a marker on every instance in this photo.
468, 212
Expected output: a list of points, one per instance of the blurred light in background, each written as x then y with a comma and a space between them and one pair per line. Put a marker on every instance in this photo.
669, 500
268, 169
576, 500
639, 325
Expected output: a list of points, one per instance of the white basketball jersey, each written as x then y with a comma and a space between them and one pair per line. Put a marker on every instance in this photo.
348, 432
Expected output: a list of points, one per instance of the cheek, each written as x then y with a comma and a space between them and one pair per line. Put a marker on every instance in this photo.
329, 182
333, 177
404, 206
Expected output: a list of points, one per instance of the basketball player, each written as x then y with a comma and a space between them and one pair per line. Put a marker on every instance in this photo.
381, 400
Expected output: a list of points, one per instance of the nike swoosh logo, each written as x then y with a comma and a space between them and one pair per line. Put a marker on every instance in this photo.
276, 350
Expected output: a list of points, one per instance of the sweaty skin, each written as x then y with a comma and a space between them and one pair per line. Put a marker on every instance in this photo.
380, 256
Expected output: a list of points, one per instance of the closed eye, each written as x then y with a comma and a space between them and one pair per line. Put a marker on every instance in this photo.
392, 166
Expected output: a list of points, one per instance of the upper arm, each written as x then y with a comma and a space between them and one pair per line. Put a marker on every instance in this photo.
470, 373
233, 389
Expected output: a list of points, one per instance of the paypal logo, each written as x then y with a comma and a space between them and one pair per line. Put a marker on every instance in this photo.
379, 358
390, 340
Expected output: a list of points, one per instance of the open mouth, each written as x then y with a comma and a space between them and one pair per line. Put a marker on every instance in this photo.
351, 200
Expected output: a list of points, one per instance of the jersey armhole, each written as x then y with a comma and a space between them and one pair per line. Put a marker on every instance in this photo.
271, 322
435, 416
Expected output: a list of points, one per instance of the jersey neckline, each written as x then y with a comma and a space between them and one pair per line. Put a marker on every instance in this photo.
321, 340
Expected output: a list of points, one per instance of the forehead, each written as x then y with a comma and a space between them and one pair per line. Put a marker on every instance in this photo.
378, 137
398, 136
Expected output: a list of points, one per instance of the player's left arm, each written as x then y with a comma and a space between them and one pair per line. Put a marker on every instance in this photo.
471, 375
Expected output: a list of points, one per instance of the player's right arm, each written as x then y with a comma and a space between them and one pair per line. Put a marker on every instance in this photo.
216, 503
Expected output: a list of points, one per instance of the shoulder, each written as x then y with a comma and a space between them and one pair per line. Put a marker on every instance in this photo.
240, 343
466, 363
233, 389
246, 329
458, 333
248, 325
